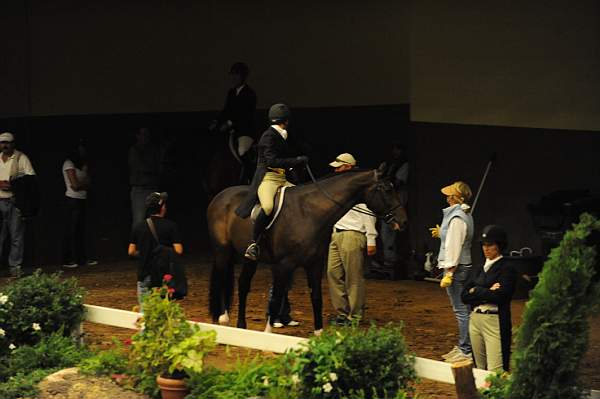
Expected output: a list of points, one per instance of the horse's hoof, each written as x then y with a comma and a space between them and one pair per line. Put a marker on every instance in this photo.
318, 332
224, 319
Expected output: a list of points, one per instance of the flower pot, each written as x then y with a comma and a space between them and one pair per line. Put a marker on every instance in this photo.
171, 388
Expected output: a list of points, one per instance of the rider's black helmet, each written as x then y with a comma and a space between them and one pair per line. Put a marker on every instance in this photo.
494, 234
279, 113
240, 68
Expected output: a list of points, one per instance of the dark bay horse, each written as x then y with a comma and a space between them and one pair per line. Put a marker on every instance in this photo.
298, 238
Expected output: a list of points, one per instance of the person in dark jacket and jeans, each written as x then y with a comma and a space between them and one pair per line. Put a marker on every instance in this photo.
489, 295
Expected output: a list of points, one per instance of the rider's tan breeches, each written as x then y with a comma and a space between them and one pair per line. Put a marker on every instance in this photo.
268, 188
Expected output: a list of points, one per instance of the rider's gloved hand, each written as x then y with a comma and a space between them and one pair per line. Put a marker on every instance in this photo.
302, 159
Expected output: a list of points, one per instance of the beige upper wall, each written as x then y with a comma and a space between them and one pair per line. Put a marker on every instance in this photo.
518, 63
165, 56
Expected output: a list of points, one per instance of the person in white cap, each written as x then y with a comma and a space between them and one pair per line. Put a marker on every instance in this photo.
352, 234
13, 165
456, 234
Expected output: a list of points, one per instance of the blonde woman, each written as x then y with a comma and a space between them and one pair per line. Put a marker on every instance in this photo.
454, 257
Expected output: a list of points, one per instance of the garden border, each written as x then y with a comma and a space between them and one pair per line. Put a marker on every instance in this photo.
425, 368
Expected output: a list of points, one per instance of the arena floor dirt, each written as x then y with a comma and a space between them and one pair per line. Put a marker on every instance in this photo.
429, 325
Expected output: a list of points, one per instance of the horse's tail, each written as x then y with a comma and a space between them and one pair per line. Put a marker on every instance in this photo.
221, 287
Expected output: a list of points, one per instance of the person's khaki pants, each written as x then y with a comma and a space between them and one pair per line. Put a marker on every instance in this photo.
268, 188
345, 273
484, 330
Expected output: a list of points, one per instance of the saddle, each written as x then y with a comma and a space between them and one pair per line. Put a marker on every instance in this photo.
278, 204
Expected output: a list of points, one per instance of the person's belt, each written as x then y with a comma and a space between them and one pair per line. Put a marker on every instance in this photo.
336, 230
486, 311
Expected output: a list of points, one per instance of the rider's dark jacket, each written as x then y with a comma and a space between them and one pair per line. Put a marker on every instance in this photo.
273, 152
240, 108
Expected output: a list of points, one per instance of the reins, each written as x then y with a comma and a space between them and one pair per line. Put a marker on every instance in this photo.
385, 217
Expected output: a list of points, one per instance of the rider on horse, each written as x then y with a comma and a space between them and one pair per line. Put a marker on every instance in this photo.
273, 161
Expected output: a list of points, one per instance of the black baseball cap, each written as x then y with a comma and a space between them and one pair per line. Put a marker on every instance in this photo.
156, 200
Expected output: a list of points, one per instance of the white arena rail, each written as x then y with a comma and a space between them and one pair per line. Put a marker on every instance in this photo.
278, 343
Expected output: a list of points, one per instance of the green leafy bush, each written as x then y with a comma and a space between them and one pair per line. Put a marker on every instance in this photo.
106, 362
554, 335
36, 305
257, 377
349, 363
355, 363
497, 386
27, 365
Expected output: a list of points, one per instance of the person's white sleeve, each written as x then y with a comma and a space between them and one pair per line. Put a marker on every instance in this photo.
455, 238
25, 166
370, 230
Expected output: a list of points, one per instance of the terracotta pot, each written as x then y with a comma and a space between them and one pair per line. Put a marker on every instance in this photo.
171, 388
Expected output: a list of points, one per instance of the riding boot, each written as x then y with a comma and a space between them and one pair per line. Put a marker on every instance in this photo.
260, 224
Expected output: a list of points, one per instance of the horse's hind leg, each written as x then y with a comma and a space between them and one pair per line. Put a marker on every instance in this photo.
314, 274
248, 270
221, 286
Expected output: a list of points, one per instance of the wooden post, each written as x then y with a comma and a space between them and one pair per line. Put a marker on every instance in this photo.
464, 380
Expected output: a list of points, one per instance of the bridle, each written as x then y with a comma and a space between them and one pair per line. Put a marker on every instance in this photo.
388, 217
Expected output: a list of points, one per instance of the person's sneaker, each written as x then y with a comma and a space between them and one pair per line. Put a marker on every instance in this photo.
91, 262
453, 352
277, 324
340, 320
252, 251
459, 357
293, 323
70, 265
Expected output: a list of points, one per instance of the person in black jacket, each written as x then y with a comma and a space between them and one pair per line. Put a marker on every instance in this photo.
489, 295
274, 158
240, 105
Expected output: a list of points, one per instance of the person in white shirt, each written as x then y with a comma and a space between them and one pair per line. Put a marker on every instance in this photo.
77, 181
13, 164
354, 232
454, 257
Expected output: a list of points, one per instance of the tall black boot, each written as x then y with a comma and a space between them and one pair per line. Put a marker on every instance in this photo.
260, 224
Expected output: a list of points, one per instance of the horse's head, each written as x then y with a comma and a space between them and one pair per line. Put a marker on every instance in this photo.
383, 199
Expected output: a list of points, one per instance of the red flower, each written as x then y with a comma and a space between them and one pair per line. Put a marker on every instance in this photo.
118, 377
171, 291
127, 342
167, 278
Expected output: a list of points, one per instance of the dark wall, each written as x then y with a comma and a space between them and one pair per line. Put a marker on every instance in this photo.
321, 133
530, 163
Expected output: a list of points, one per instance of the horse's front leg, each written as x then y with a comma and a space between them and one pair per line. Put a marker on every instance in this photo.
248, 270
314, 273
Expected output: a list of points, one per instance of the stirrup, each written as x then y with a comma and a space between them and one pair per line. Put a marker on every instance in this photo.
252, 251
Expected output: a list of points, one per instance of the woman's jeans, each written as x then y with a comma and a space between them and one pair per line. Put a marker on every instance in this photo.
461, 311
74, 239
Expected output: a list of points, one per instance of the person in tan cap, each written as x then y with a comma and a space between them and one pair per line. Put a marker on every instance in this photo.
352, 234
454, 257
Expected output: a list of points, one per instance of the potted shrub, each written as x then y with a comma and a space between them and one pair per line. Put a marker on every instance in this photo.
167, 346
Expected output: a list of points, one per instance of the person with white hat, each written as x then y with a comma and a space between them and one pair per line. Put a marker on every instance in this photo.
352, 234
13, 165
456, 234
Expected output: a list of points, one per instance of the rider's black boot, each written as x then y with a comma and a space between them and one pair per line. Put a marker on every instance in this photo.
261, 222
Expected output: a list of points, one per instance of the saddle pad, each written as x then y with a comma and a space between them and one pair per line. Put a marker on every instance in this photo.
278, 205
